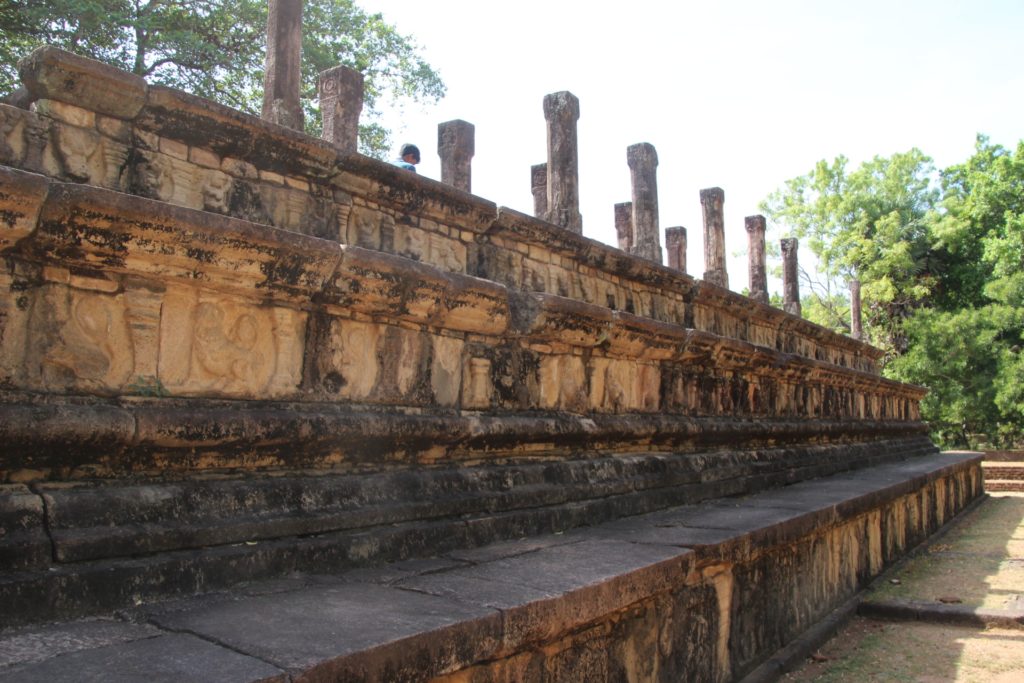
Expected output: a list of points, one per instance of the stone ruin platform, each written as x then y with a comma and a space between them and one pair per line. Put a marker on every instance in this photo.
332, 398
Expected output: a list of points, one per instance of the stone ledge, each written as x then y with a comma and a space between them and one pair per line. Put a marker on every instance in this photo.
145, 437
95, 229
53, 73
257, 528
488, 608
90, 521
600, 256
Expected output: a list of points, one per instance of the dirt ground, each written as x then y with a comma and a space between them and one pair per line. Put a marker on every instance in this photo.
918, 652
979, 563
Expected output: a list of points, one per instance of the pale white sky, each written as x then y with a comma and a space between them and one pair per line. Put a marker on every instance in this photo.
738, 94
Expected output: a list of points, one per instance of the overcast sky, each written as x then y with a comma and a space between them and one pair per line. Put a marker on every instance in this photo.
738, 94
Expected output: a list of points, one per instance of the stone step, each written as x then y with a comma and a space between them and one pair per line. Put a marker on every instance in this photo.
1005, 473
93, 546
1004, 485
698, 592
1003, 470
1002, 456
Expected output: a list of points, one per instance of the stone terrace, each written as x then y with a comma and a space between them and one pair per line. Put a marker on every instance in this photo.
231, 352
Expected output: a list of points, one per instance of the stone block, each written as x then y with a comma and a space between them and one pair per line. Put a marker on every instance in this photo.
226, 132
349, 631
173, 148
115, 129
24, 542
29, 647
65, 113
165, 658
21, 199
377, 283
553, 590
53, 438
553, 318
52, 73
130, 234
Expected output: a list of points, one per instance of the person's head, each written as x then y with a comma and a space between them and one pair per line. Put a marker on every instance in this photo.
410, 154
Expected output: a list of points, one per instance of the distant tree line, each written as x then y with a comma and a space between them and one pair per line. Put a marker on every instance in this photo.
940, 255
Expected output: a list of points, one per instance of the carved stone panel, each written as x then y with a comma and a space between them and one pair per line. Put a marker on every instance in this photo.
446, 370
563, 383
623, 385
478, 387
354, 357
216, 192
447, 254
220, 346
366, 226
80, 153
79, 340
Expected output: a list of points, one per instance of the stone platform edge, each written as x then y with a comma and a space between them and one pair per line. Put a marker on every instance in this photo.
703, 592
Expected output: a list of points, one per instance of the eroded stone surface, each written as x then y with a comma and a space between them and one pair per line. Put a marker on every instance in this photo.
561, 111
790, 277
643, 164
711, 201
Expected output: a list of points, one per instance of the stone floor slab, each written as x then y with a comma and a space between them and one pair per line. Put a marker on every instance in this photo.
302, 630
32, 645
170, 658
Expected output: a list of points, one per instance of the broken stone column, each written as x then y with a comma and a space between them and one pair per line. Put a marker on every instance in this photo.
539, 187
624, 225
712, 201
758, 273
341, 101
643, 166
675, 243
790, 277
856, 325
282, 75
562, 111
456, 146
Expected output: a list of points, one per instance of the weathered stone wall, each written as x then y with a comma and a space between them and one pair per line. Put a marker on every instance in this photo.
175, 248
229, 351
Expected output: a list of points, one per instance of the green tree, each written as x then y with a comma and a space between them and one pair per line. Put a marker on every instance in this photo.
216, 48
870, 223
966, 347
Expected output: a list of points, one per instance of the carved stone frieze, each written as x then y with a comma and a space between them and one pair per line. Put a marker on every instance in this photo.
80, 340
563, 383
215, 345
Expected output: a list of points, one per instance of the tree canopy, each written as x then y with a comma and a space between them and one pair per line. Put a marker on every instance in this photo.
941, 259
216, 49
867, 224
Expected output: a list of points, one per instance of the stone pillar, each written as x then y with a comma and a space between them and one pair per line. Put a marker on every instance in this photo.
675, 242
624, 226
341, 101
712, 201
643, 167
282, 75
758, 273
456, 146
790, 277
856, 326
539, 187
562, 111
